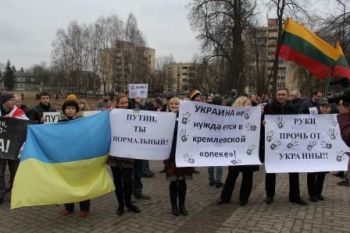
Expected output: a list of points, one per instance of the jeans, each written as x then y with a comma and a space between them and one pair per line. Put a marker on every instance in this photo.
215, 174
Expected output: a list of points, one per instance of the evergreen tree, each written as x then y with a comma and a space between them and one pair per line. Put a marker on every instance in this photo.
9, 77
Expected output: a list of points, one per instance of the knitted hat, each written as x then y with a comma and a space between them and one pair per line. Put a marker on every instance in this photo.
71, 103
193, 94
72, 97
6, 96
324, 102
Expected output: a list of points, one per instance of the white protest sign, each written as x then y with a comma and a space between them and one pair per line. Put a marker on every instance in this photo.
90, 113
304, 143
141, 134
211, 135
51, 117
138, 90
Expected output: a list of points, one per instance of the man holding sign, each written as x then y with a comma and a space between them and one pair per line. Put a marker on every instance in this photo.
281, 106
8, 110
44, 106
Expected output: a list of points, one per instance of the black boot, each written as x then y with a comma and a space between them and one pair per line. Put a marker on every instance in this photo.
120, 210
175, 210
183, 210
173, 198
133, 208
1, 200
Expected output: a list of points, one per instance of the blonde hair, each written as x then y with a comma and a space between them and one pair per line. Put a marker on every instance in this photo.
83, 101
172, 100
240, 101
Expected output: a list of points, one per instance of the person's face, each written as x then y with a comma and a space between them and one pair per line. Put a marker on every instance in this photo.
282, 96
45, 99
70, 111
174, 105
18, 101
9, 104
210, 99
292, 96
248, 103
155, 103
197, 98
81, 105
123, 103
253, 98
138, 100
317, 98
342, 108
325, 109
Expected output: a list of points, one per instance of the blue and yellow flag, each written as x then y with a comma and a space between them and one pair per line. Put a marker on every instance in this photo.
64, 163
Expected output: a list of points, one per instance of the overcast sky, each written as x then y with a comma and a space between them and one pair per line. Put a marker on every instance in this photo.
28, 27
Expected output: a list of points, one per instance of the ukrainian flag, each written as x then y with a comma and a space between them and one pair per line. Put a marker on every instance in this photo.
64, 163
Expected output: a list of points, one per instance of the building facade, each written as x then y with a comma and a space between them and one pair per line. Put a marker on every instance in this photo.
26, 81
264, 44
125, 63
179, 77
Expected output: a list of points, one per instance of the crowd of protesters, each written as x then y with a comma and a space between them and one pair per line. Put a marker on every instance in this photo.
127, 173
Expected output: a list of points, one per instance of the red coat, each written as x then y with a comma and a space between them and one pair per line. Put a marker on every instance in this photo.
170, 166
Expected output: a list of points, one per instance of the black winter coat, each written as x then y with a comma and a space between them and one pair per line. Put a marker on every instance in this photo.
274, 108
37, 112
304, 109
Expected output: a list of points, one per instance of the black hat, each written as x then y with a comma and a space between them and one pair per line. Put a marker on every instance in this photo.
6, 96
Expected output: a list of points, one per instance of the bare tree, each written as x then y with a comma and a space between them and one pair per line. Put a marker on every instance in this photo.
108, 50
284, 9
336, 28
206, 74
220, 24
161, 80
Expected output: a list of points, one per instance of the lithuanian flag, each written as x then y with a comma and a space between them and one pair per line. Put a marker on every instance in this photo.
64, 163
341, 68
308, 50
